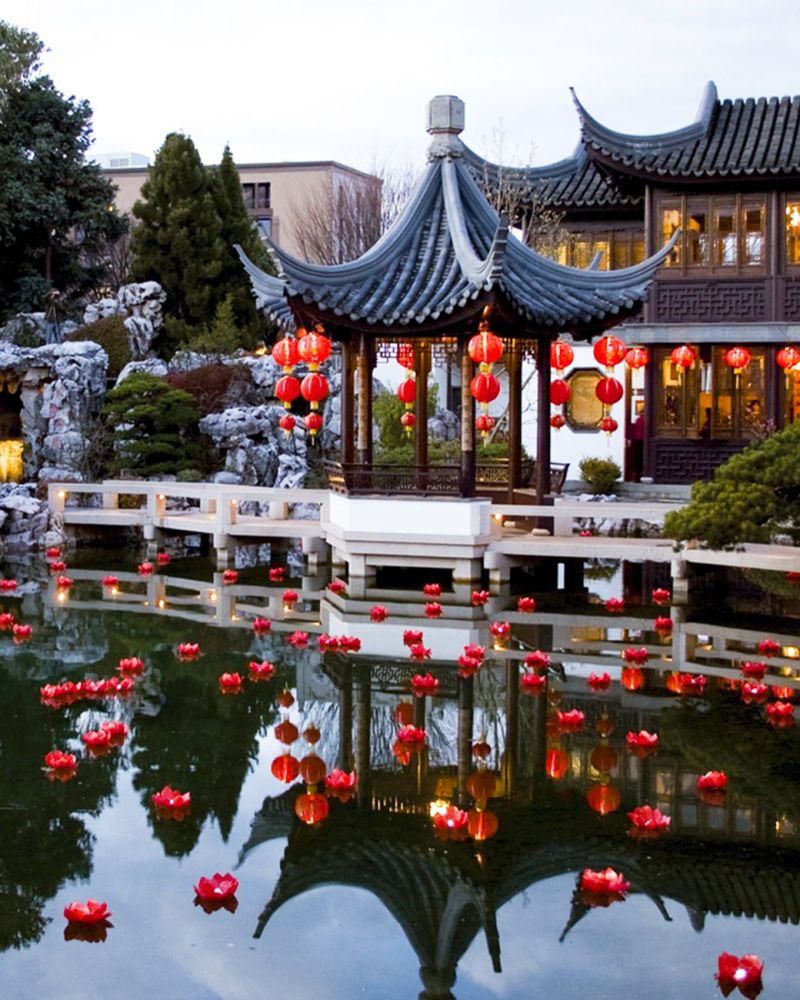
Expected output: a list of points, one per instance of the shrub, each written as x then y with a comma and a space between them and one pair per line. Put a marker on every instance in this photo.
111, 335
600, 473
210, 385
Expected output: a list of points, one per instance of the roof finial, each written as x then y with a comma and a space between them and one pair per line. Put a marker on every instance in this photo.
445, 121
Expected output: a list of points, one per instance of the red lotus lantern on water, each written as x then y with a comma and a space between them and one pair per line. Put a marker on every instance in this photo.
530, 683
90, 912
341, 784
217, 890
636, 357
743, 973
647, 821
599, 682
608, 883
450, 823
737, 358
609, 351
561, 355
683, 356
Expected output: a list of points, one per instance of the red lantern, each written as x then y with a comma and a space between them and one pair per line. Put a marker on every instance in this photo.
314, 389
608, 391
285, 353
287, 423
405, 355
482, 824
609, 351
311, 807
314, 348
285, 768
557, 421
559, 392
637, 357
683, 356
632, 678
404, 713
313, 423
556, 764
481, 785
561, 355
408, 420
604, 799
737, 358
485, 347
484, 423
788, 357
286, 732
407, 391
312, 769
485, 388
287, 390
603, 758
608, 424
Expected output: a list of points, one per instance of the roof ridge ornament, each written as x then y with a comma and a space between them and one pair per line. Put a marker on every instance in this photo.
445, 121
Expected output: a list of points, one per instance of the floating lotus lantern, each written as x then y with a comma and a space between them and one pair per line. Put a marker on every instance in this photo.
737, 358
780, 714
468, 666
6, 621
615, 605
571, 720
662, 624
527, 605
163, 558
433, 609
145, 569
419, 652
432, 590
530, 683
410, 740
641, 743
298, 639
485, 348
188, 650
599, 682
96, 739
638, 656
411, 637
379, 613
230, 576
117, 731
423, 685
261, 626
8, 585
601, 888
337, 587
230, 683
450, 822
537, 660
90, 912
260, 670
769, 648
754, 692
500, 630
660, 595
341, 784
217, 892
480, 748
110, 581
57, 566
753, 670
648, 822
171, 804
21, 633
61, 762
743, 973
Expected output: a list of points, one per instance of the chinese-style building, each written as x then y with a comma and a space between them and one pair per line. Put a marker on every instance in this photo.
729, 184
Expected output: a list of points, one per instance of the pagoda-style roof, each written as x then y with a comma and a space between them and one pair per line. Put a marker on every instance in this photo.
731, 138
447, 256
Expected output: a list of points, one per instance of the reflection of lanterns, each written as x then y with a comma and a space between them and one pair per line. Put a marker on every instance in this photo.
481, 786
311, 807
556, 763
609, 351
683, 356
286, 732
603, 758
285, 768
313, 769
482, 824
637, 357
561, 355
737, 358
604, 725
604, 799
632, 678
404, 713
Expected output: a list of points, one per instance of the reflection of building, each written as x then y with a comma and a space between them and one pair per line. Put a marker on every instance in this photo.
276, 195
730, 182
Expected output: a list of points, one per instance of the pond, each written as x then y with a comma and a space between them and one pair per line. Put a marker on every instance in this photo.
364, 891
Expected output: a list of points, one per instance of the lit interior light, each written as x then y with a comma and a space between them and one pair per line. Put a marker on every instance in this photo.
61, 494
161, 603
438, 807
791, 652
212, 596
61, 596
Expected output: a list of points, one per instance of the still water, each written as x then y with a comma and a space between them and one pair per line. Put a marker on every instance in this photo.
371, 900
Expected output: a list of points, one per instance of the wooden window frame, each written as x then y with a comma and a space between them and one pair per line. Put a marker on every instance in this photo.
711, 204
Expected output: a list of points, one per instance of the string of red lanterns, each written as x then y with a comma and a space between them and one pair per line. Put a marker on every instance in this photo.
561, 357
407, 390
313, 349
485, 348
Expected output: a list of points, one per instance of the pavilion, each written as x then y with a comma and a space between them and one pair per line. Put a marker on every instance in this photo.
448, 263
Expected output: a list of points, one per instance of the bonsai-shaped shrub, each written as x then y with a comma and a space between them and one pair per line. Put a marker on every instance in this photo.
752, 497
111, 335
154, 427
600, 473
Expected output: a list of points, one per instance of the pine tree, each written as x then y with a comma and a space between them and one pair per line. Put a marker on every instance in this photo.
178, 241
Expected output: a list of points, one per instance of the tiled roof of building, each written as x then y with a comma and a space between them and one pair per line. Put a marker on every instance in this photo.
447, 253
731, 138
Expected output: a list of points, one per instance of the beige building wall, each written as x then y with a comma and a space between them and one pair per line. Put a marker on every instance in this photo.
277, 209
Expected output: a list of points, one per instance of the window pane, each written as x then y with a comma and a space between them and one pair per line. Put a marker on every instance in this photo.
697, 231
262, 200
638, 251
753, 394
249, 195
602, 246
670, 221
793, 232
621, 255
725, 240
583, 253
753, 229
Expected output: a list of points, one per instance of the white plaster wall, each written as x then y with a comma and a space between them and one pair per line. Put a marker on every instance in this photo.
435, 520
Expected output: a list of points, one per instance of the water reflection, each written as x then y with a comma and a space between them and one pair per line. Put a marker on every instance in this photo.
544, 798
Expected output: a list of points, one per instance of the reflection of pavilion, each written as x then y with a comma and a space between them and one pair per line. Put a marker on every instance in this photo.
444, 895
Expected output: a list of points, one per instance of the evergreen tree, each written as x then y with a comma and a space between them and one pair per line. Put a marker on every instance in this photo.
154, 427
56, 210
178, 241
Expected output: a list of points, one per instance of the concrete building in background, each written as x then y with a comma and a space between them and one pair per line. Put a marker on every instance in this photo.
276, 195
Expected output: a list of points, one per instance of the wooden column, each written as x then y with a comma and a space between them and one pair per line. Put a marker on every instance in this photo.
467, 477
347, 411
514, 369
542, 418
363, 698
365, 400
346, 719
509, 759
466, 711
422, 368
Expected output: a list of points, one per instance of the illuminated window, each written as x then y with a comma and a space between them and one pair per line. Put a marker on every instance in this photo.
670, 221
753, 233
719, 234
697, 236
793, 232
725, 236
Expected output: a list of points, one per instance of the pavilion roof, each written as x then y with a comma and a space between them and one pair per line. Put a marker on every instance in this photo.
446, 256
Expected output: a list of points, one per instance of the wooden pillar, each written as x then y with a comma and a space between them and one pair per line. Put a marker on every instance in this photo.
467, 477
365, 400
346, 719
422, 368
466, 711
509, 766
363, 696
514, 369
347, 411
542, 418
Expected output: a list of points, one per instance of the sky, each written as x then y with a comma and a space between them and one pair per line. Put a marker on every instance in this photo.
349, 81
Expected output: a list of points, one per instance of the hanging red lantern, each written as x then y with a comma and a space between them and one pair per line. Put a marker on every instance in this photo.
737, 358
609, 351
313, 423
407, 391
788, 357
683, 356
485, 347
557, 421
285, 768
485, 388
311, 807
405, 356
632, 678
603, 758
404, 713
608, 391
559, 392
285, 353
287, 389
608, 424
604, 799
636, 357
314, 389
286, 732
484, 423
287, 423
408, 420
482, 824
556, 764
561, 355
314, 348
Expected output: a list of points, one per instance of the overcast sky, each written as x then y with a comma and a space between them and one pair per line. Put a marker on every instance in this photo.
349, 80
